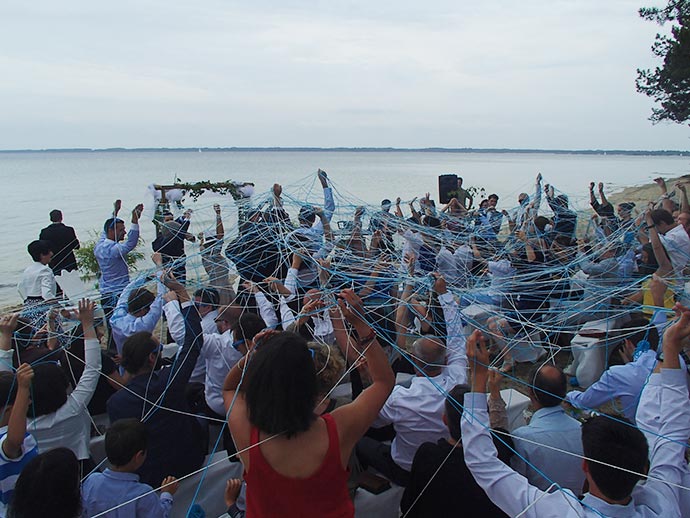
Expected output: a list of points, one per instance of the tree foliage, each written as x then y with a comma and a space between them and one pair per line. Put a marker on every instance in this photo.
669, 84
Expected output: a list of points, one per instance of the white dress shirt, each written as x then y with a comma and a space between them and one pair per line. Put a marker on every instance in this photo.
677, 244
218, 353
208, 326
37, 281
125, 324
654, 498
417, 412
70, 425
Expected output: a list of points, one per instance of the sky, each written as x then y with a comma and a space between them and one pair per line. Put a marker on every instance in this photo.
548, 74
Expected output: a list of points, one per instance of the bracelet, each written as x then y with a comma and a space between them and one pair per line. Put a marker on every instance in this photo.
367, 339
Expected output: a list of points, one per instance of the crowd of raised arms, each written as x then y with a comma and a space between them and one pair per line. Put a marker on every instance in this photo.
323, 358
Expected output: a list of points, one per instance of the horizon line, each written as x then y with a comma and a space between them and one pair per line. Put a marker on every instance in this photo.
671, 152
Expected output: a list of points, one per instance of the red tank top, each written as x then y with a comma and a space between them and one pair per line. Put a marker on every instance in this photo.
324, 494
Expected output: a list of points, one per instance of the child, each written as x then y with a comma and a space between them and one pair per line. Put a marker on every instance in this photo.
17, 447
125, 445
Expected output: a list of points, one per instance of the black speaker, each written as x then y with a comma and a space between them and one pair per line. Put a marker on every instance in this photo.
447, 186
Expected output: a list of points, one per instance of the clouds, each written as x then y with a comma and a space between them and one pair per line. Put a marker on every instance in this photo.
534, 74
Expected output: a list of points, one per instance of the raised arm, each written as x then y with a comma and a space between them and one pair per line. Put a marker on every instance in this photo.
355, 418
83, 392
220, 229
684, 205
8, 323
455, 332
665, 266
16, 428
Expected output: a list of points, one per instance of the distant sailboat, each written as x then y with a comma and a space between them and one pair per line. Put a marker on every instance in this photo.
199, 150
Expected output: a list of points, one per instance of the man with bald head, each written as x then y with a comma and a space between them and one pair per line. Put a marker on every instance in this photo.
549, 428
416, 412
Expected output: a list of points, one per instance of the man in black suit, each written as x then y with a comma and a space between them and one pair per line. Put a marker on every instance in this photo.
63, 241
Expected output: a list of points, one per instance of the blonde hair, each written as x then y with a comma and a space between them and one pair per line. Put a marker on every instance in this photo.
329, 365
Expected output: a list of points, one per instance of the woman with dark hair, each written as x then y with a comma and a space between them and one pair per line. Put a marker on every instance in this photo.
49, 485
294, 461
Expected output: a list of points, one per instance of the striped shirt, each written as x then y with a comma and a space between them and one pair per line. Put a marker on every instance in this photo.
10, 468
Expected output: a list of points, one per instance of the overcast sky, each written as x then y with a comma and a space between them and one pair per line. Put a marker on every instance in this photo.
516, 74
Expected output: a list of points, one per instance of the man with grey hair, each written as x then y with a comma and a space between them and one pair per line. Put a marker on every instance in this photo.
416, 412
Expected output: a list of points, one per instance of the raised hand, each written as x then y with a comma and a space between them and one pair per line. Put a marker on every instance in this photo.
85, 310
170, 485
352, 308
8, 323
24, 376
440, 286
117, 206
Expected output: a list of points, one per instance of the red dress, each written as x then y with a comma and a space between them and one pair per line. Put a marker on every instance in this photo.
324, 494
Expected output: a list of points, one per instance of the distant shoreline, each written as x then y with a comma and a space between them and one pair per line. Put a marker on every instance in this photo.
616, 152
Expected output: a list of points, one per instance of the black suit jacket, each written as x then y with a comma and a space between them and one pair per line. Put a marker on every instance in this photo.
62, 241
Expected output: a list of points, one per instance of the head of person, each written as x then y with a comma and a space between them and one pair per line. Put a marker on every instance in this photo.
459, 182
329, 365
168, 216
616, 442
49, 485
484, 204
227, 317
386, 205
206, 300
540, 222
245, 328
8, 393
40, 251
625, 209
639, 332
114, 229
140, 353
139, 302
55, 216
280, 386
663, 220
429, 355
683, 219
126, 442
306, 216
453, 409
647, 263
493, 200
49, 388
549, 385
523, 198
564, 248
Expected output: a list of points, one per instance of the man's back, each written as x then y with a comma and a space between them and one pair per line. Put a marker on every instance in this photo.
550, 428
63, 241
442, 486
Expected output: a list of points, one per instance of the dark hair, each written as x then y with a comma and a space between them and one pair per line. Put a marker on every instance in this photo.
453, 405
49, 389
385, 201
661, 216
432, 221
247, 326
124, 439
549, 385
55, 215
280, 385
8, 388
615, 441
494, 196
627, 206
139, 298
136, 350
639, 329
306, 214
110, 223
38, 248
56, 473
208, 296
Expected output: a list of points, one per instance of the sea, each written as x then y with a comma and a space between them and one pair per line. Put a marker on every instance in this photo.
84, 184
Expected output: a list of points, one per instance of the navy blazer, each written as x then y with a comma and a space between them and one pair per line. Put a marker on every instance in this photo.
175, 440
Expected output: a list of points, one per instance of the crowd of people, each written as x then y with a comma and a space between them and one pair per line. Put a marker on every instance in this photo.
353, 350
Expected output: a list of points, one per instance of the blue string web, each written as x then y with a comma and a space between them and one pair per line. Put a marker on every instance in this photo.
260, 241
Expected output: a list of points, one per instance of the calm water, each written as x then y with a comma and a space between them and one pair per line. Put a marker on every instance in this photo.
84, 185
